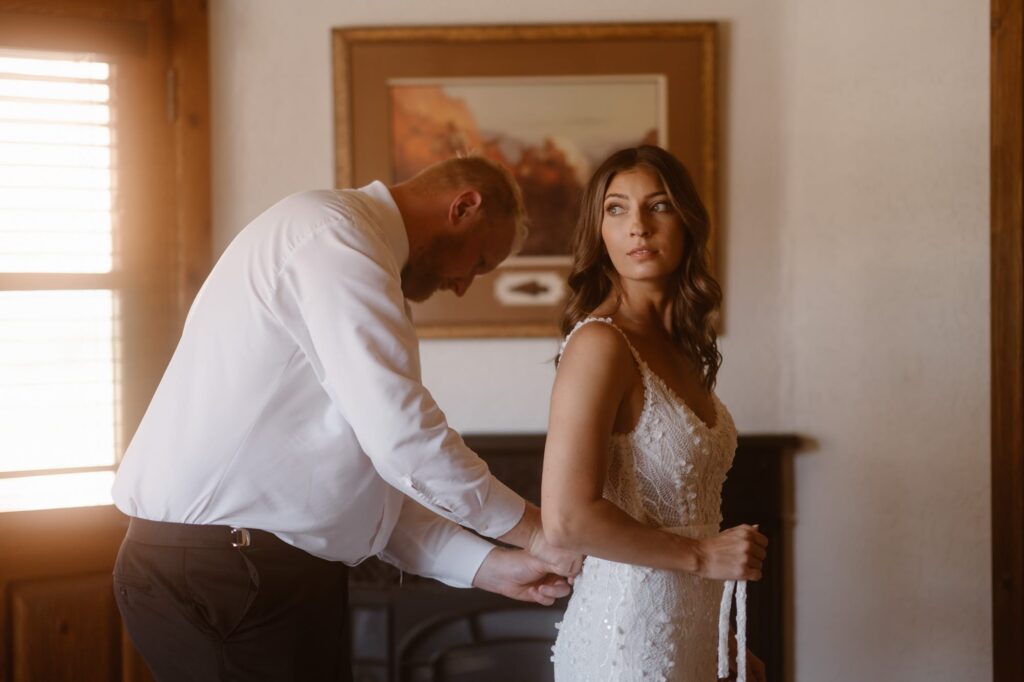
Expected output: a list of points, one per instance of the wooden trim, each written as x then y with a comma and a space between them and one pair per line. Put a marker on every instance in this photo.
343, 161
496, 33
1007, 291
33, 281
55, 472
107, 10
148, 197
189, 61
83, 34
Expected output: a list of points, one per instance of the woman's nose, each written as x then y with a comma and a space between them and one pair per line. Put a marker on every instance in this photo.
638, 228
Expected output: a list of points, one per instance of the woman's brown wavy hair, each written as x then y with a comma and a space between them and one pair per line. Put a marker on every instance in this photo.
696, 294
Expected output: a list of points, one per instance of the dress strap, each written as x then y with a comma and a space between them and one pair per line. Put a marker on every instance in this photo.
608, 321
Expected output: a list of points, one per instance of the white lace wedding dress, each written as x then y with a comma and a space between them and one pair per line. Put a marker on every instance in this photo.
628, 622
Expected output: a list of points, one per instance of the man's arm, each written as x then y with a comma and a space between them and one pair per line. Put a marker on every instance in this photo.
429, 545
340, 298
426, 544
345, 309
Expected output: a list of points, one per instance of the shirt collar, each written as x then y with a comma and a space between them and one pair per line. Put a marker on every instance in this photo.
390, 220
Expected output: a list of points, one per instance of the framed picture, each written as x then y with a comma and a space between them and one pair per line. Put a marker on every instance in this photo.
550, 102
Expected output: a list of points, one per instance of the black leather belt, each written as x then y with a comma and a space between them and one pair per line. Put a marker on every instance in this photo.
169, 534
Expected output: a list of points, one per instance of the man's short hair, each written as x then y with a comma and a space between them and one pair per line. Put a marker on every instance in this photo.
501, 197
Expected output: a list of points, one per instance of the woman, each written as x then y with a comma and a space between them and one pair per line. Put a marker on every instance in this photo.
638, 444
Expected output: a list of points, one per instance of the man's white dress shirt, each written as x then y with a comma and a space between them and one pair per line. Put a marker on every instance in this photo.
293, 402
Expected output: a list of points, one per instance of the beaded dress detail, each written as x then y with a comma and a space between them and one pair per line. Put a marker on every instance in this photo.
626, 622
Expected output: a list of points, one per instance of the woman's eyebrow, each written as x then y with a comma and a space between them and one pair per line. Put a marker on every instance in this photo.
615, 195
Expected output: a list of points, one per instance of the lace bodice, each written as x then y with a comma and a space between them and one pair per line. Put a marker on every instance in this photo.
626, 622
669, 470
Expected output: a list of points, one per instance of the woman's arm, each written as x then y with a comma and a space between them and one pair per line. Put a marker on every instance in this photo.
594, 378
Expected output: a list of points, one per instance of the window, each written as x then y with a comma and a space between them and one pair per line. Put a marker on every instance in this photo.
104, 240
58, 335
104, 230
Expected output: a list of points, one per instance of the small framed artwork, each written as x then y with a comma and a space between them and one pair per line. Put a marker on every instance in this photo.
550, 103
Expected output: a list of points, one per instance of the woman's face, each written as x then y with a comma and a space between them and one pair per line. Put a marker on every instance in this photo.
642, 231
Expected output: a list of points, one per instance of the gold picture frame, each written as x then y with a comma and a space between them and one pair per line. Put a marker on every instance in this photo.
668, 71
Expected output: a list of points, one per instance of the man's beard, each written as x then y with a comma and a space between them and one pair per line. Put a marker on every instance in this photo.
421, 276
418, 282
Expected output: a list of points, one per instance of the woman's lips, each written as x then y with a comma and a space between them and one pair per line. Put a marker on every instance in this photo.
642, 253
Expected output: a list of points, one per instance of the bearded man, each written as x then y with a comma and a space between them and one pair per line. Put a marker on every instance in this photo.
291, 436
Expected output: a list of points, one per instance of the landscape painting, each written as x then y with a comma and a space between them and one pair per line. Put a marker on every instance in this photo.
551, 132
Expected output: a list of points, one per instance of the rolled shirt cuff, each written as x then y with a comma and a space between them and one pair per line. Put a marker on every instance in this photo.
459, 560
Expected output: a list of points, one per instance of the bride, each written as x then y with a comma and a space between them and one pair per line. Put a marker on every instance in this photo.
638, 444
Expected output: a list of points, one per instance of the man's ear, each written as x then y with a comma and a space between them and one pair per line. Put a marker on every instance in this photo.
464, 209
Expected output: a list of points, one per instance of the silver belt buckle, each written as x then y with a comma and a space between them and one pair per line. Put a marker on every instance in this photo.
240, 537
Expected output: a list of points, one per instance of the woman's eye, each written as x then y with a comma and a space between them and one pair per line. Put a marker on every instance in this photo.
614, 209
661, 207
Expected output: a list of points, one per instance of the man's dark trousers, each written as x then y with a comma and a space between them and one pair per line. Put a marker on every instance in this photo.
198, 608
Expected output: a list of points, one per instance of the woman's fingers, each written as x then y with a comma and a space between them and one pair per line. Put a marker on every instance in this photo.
751, 533
737, 553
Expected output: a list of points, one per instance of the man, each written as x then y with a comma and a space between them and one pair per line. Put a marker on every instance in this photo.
291, 435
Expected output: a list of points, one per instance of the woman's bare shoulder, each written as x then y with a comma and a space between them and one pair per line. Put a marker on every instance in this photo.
597, 343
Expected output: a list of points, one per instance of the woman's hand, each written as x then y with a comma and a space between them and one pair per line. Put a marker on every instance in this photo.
733, 554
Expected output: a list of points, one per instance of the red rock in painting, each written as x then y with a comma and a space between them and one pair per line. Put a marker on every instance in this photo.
428, 126
552, 196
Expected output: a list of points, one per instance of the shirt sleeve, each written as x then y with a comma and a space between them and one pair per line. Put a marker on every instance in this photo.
426, 544
339, 295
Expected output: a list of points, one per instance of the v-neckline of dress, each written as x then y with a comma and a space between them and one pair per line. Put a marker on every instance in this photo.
671, 394
674, 398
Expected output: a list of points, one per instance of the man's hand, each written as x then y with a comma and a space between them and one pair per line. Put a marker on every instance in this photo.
516, 574
529, 535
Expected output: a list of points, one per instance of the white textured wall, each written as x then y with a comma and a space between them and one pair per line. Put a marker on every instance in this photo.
855, 265
885, 262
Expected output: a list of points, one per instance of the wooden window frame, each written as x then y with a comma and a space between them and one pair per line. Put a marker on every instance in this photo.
69, 553
163, 44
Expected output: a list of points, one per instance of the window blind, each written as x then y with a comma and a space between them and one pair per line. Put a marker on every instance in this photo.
58, 334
